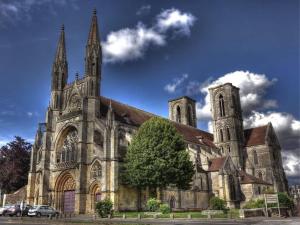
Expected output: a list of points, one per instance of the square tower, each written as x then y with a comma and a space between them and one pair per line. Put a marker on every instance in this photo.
183, 110
228, 121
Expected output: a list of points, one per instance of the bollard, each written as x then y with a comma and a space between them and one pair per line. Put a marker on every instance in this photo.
189, 216
94, 217
139, 216
172, 216
208, 216
155, 216
109, 216
124, 216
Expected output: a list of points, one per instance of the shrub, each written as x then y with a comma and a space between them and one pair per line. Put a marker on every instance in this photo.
217, 203
104, 208
153, 204
164, 208
254, 204
285, 200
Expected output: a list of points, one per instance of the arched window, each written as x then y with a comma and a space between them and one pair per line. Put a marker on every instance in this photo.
67, 151
172, 202
96, 171
221, 135
228, 133
222, 150
201, 183
255, 158
233, 102
232, 188
190, 116
260, 175
178, 114
39, 155
98, 139
221, 106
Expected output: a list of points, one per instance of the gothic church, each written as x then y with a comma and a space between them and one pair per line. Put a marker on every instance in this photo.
76, 157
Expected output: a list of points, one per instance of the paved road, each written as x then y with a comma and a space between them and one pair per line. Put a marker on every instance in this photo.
254, 221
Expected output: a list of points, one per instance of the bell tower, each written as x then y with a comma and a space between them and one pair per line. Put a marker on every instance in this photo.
228, 121
183, 110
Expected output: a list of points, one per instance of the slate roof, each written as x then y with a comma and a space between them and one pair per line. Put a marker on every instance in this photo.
216, 164
135, 117
255, 136
249, 179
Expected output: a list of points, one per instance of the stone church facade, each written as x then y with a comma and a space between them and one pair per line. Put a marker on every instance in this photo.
78, 152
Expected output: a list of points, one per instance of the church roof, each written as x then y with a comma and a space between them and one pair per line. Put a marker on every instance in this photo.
249, 179
136, 117
216, 164
255, 136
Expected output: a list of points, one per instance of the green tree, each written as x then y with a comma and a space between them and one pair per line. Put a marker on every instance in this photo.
156, 157
14, 164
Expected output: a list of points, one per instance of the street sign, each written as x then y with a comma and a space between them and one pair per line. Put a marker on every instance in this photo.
271, 198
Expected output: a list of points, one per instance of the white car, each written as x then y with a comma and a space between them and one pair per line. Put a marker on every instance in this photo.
42, 210
3, 209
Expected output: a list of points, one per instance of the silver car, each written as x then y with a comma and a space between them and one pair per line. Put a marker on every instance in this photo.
42, 210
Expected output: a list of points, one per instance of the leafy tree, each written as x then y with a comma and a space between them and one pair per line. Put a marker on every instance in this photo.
14, 164
156, 157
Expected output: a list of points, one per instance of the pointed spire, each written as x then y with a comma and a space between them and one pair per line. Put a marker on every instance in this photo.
61, 47
94, 32
93, 55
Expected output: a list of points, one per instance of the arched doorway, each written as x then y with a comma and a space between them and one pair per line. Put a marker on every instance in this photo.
65, 193
172, 202
95, 195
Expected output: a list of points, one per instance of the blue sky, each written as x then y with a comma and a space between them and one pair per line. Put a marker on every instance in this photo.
155, 51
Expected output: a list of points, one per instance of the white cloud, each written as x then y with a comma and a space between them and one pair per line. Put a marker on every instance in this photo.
291, 162
29, 114
176, 82
129, 44
175, 19
144, 10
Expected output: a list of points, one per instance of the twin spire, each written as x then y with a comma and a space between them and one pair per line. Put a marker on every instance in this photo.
93, 49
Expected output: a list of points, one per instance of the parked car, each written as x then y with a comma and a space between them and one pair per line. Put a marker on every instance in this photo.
3, 209
15, 210
42, 210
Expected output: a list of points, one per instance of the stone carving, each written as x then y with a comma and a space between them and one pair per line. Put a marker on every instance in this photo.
69, 184
74, 103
